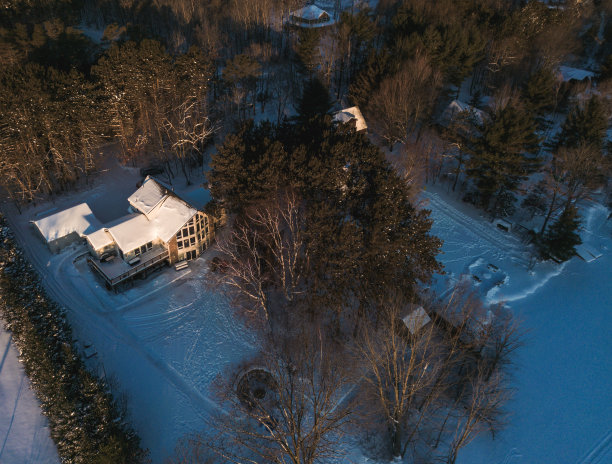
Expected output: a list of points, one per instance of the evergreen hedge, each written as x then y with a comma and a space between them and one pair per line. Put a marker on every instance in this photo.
86, 423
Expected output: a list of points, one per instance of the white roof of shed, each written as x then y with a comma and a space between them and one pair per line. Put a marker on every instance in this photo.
79, 219
568, 74
416, 319
457, 106
349, 114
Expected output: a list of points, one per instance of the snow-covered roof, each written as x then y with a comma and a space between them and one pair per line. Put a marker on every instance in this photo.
568, 74
163, 222
171, 216
148, 196
586, 252
416, 320
457, 106
99, 239
349, 114
132, 231
310, 13
79, 219
311, 16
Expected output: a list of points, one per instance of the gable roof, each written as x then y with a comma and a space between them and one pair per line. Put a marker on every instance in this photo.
349, 114
163, 215
310, 13
567, 74
457, 106
99, 239
79, 219
148, 196
416, 319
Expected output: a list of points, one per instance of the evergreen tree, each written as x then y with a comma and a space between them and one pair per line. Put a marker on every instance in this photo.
306, 48
585, 125
315, 101
562, 236
500, 155
539, 93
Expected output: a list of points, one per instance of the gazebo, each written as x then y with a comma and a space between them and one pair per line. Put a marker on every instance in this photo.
311, 16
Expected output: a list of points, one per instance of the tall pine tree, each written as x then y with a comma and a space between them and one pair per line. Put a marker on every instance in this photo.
501, 155
561, 238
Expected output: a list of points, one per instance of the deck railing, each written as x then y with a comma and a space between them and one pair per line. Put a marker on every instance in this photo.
137, 268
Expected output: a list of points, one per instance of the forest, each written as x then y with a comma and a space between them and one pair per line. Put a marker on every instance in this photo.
329, 250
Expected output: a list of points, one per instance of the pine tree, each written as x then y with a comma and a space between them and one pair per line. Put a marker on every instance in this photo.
562, 236
585, 125
539, 93
500, 157
315, 100
306, 48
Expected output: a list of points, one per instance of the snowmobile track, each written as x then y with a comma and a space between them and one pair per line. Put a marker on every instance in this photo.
601, 452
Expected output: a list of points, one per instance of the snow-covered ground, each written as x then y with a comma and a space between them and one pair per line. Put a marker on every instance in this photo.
162, 341
168, 337
562, 408
24, 435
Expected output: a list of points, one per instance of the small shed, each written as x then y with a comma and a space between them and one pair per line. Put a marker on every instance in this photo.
351, 115
567, 74
416, 320
457, 107
66, 227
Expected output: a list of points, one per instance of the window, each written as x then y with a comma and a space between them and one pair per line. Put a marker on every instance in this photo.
192, 241
143, 249
180, 244
191, 230
198, 227
137, 251
185, 232
178, 234
149, 245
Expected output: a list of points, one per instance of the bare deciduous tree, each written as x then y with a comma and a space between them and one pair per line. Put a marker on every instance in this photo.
265, 255
289, 406
405, 100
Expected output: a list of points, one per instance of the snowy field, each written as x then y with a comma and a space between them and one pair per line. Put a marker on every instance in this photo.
167, 338
562, 409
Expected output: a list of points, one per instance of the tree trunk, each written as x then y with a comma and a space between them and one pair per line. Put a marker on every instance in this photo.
551, 208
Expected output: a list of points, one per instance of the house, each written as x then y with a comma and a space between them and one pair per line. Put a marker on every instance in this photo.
351, 115
69, 226
311, 16
161, 228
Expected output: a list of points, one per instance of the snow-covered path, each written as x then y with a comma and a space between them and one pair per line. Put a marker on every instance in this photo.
162, 342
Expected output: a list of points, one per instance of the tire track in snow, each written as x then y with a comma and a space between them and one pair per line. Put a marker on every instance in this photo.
439, 205
600, 451
72, 300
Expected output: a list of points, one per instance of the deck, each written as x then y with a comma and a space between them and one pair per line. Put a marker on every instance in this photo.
116, 271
